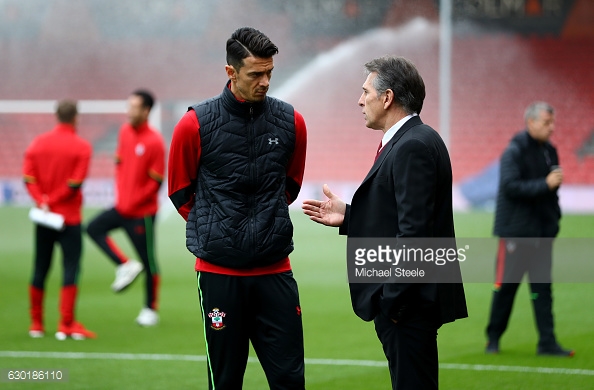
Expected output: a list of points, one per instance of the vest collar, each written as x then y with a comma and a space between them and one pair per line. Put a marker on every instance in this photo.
241, 108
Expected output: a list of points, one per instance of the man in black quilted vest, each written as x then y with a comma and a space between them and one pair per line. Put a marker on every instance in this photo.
236, 163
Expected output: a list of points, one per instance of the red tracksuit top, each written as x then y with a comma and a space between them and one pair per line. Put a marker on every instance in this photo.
140, 166
184, 161
55, 166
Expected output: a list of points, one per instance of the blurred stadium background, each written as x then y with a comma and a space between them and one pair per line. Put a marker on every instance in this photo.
504, 55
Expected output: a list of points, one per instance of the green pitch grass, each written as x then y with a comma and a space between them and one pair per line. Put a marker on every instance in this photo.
174, 349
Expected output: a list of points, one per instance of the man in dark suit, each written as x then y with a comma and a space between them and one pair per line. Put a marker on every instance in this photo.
406, 194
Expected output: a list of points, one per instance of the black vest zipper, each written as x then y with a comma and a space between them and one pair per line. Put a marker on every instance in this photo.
253, 184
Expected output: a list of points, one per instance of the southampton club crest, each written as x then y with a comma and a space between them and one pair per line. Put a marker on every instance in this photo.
216, 317
139, 149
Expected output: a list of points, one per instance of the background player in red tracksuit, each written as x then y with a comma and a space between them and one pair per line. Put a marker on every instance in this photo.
55, 166
236, 162
140, 165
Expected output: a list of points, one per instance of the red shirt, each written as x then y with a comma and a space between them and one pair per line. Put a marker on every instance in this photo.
55, 166
184, 161
140, 166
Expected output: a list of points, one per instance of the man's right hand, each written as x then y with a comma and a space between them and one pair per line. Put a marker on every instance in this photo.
554, 179
44, 203
329, 213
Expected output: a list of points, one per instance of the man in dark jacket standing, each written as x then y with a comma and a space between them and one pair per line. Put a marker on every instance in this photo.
236, 162
527, 220
407, 194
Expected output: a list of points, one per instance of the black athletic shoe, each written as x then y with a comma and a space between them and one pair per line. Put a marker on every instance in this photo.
492, 347
555, 350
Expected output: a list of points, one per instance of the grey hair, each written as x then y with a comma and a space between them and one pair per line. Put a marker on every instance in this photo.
534, 109
402, 77
380, 82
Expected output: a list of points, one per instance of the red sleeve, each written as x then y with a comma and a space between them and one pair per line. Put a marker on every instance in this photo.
156, 168
77, 176
157, 164
117, 157
30, 175
184, 158
296, 165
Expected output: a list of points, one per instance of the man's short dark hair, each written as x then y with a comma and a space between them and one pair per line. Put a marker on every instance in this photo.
148, 99
248, 42
402, 77
66, 111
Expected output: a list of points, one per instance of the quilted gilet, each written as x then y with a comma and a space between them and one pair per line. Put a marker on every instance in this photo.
240, 218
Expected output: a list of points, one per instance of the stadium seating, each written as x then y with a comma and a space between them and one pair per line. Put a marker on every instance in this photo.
494, 77
18, 130
488, 102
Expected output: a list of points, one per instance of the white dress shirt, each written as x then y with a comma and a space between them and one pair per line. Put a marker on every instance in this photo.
394, 129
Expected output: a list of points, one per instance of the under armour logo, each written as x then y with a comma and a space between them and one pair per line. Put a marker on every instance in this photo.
271, 141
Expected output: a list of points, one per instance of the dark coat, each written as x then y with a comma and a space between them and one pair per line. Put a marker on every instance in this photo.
407, 193
525, 205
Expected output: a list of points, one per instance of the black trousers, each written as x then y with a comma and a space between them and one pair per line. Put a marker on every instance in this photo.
262, 309
514, 259
70, 241
411, 349
141, 232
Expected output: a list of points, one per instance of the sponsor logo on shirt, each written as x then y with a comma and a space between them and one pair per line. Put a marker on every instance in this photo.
139, 149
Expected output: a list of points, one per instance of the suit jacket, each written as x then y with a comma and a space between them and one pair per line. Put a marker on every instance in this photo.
407, 193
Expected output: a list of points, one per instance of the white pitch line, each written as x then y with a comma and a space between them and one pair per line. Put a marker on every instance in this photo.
101, 356
537, 370
320, 362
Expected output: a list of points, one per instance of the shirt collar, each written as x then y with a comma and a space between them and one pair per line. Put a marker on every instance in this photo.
394, 129
65, 127
141, 128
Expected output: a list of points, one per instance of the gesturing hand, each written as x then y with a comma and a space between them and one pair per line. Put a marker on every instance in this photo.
330, 212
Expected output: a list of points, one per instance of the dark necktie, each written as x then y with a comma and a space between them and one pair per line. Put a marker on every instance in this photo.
379, 150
